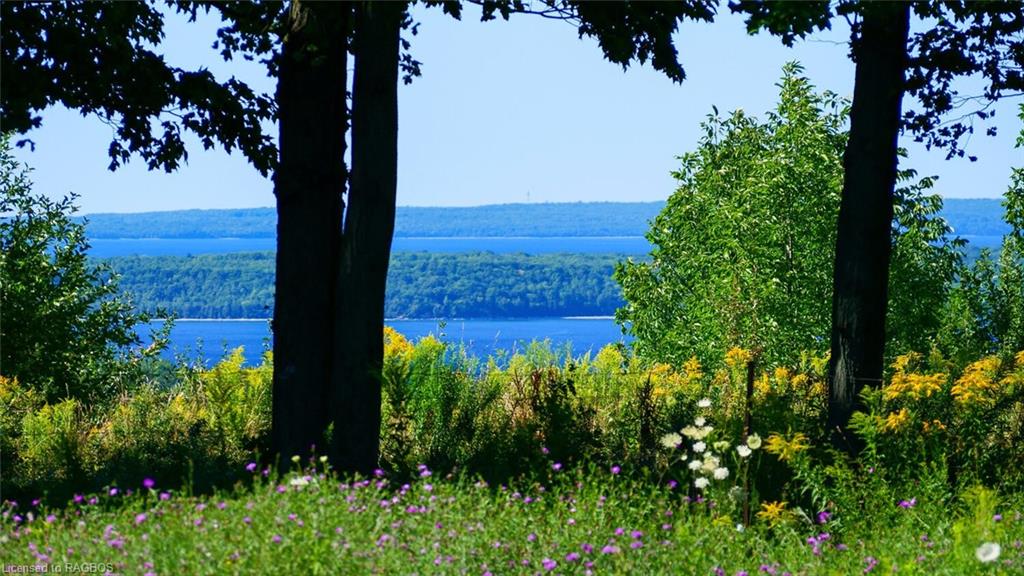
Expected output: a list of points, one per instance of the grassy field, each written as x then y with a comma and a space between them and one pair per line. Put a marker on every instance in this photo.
584, 521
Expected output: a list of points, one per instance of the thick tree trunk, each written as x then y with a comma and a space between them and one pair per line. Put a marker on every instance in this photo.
366, 242
308, 184
863, 244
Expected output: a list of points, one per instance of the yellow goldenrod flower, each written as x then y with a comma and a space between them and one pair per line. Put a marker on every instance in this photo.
784, 448
772, 512
395, 344
977, 382
896, 421
738, 357
692, 369
782, 375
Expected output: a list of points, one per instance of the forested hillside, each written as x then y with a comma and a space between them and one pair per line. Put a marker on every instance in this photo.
967, 216
420, 285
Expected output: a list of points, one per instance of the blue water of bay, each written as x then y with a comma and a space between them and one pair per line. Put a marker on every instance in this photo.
109, 247
209, 340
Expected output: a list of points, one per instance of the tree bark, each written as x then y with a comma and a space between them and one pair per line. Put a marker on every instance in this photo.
366, 240
308, 185
863, 244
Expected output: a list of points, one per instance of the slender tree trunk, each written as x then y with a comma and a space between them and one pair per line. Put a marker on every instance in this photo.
366, 241
863, 244
308, 184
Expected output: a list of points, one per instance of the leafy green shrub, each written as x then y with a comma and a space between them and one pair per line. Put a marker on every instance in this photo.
64, 326
49, 447
985, 310
238, 399
16, 402
197, 432
744, 249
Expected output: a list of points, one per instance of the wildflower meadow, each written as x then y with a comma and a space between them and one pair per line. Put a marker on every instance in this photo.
550, 463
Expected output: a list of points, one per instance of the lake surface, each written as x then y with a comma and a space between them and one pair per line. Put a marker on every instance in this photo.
633, 245
108, 247
210, 339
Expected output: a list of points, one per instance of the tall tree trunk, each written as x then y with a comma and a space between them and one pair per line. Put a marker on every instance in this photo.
308, 184
863, 244
366, 241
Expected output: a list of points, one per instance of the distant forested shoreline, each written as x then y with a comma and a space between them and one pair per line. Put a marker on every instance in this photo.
420, 285
979, 216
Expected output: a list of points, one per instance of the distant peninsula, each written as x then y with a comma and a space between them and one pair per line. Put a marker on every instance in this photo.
971, 217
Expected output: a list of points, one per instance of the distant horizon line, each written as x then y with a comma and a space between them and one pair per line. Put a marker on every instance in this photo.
558, 203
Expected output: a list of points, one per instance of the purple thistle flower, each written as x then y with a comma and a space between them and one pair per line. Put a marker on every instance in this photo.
997, 518
636, 544
610, 549
113, 491
140, 518
572, 556
78, 499
636, 534
672, 484
549, 564
556, 466
616, 469
824, 516
276, 539
908, 504
250, 467
50, 519
165, 495
587, 548
148, 483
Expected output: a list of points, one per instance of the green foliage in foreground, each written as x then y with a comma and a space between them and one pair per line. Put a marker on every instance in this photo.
583, 522
65, 325
420, 285
609, 460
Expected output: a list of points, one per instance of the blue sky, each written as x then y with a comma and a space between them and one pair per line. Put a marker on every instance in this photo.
518, 111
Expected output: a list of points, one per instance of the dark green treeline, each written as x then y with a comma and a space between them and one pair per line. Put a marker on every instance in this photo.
420, 285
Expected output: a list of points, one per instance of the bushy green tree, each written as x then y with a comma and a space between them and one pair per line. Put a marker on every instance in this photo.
63, 324
743, 250
985, 310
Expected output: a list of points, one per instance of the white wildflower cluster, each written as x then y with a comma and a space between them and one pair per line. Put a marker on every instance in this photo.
706, 456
